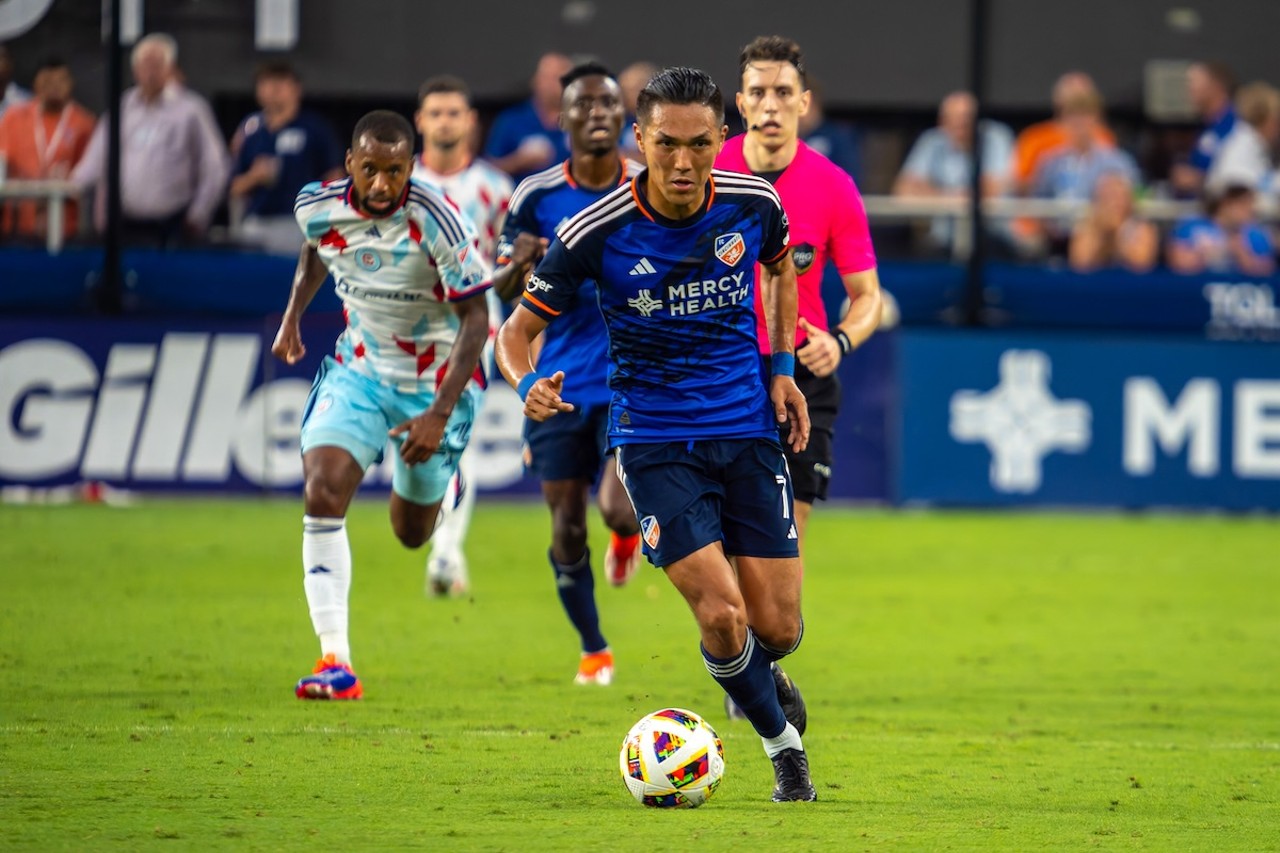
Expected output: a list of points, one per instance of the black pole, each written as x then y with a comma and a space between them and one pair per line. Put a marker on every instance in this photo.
111, 290
973, 302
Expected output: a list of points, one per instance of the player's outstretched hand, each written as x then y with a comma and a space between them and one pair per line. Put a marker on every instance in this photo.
790, 408
422, 436
543, 400
821, 354
288, 344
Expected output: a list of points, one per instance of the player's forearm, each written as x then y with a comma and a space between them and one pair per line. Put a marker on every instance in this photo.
514, 347
508, 280
307, 278
780, 298
465, 355
864, 307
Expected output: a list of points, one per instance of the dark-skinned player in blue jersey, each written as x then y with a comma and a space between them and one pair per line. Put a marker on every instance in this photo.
567, 454
694, 418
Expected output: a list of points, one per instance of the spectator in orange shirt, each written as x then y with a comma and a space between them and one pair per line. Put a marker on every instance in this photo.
1041, 139
43, 139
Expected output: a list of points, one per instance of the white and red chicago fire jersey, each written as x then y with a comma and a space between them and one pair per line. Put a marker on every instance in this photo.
481, 191
396, 275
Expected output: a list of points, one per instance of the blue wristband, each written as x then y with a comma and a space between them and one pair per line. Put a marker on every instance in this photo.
523, 386
783, 363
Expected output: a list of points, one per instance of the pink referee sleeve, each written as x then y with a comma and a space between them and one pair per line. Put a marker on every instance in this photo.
850, 247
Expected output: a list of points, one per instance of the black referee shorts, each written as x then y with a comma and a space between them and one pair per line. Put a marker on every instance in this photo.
811, 468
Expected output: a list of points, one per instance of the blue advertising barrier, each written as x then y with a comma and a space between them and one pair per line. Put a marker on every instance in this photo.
1217, 306
184, 404
1064, 419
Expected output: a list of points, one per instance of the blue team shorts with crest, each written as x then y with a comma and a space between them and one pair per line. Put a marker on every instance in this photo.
349, 410
688, 495
568, 446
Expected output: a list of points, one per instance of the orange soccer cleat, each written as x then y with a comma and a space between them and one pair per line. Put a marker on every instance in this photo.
330, 680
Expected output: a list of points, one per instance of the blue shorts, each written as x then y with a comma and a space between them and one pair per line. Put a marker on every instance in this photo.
568, 446
688, 495
349, 410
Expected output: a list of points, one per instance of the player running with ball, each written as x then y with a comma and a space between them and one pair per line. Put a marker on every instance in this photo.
694, 419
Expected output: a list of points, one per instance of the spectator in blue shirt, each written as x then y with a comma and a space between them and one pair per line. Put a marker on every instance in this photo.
1072, 171
1210, 87
527, 138
941, 162
278, 151
1228, 240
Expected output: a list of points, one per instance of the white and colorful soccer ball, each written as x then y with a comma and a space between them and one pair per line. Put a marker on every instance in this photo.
672, 759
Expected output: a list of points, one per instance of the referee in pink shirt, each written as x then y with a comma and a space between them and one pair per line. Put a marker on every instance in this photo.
827, 220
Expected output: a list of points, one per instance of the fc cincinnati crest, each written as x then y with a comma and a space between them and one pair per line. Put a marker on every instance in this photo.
369, 259
730, 248
650, 530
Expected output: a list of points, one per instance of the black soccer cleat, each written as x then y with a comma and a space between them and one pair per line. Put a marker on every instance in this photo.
793, 707
791, 781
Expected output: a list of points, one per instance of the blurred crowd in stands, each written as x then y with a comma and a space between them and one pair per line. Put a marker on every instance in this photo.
179, 173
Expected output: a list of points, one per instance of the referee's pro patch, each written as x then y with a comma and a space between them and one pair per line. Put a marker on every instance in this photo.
651, 531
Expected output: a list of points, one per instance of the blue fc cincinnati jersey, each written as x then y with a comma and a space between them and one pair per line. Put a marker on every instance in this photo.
577, 344
676, 297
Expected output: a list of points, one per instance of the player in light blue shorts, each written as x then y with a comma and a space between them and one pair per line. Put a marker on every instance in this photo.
406, 368
351, 411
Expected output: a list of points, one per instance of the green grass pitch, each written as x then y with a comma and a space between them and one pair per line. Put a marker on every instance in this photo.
975, 682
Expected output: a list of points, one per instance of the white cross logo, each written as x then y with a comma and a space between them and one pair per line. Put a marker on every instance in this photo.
645, 303
1020, 421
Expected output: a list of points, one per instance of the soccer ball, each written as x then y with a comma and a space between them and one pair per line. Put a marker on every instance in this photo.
672, 759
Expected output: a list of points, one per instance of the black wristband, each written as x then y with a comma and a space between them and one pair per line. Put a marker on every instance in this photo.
845, 344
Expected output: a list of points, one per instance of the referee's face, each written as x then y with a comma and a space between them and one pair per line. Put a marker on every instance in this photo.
379, 172
680, 143
771, 102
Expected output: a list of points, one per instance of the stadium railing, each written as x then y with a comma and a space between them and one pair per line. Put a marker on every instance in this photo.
55, 194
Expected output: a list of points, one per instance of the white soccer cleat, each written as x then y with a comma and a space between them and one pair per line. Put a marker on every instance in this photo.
447, 575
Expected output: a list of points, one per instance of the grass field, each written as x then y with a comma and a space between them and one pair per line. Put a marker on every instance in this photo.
977, 682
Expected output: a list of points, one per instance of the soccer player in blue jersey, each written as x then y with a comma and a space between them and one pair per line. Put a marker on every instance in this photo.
694, 418
567, 453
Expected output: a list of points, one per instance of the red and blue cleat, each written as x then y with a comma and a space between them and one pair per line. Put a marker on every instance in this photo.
330, 680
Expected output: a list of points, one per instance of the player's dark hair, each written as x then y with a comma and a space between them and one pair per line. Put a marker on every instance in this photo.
444, 84
773, 49
680, 85
276, 69
590, 68
51, 62
383, 126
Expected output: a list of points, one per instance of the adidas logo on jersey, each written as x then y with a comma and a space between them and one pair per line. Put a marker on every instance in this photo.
643, 268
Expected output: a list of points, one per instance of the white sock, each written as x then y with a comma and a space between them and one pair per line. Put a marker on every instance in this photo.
451, 532
326, 563
789, 739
